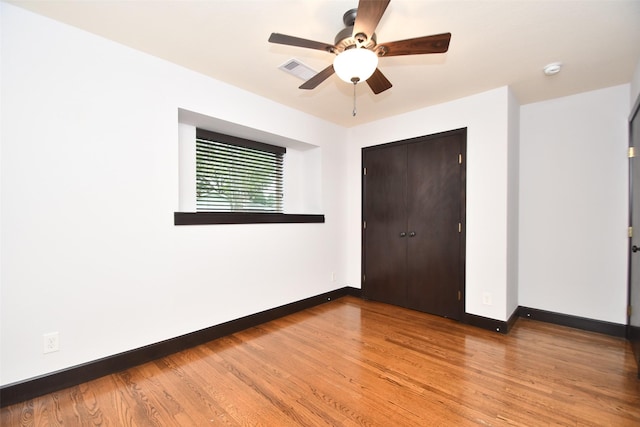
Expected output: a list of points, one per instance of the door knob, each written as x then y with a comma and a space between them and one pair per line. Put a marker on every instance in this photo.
412, 234
403, 234
635, 248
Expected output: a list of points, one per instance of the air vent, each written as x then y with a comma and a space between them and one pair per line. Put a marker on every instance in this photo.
298, 69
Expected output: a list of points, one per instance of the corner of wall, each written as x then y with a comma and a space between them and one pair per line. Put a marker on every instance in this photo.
635, 85
513, 203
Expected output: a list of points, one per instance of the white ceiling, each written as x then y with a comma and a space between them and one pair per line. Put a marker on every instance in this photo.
494, 43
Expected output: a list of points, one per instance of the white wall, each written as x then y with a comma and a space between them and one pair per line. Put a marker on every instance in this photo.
486, 117
89, 186
574, 204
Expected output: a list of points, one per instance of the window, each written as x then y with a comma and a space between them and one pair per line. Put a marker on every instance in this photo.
226, 179
237, 175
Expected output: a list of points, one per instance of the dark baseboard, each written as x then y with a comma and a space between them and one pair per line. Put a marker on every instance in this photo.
599, 326
608, 328
354, 292
49, 383
486, 323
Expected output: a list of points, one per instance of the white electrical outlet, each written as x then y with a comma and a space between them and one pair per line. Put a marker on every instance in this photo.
51, 342
486, 298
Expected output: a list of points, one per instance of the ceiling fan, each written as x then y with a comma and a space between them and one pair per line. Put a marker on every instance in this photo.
357, 51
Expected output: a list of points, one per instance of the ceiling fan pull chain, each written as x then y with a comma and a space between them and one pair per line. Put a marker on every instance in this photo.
355, 81
354, 100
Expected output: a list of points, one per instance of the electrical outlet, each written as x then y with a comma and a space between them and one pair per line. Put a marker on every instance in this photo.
51, 342
486, 298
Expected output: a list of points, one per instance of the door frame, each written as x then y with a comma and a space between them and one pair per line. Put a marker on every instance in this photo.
463, 208
633, 333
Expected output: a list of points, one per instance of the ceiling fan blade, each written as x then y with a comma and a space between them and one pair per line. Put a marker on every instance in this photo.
378, 82
438, 43
314, 81
368, 16
297, 41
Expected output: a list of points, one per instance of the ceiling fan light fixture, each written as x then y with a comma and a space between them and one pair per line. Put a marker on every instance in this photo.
357, 64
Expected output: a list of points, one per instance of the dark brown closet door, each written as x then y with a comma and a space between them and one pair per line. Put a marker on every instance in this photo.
413, 230
385, 235
434, 211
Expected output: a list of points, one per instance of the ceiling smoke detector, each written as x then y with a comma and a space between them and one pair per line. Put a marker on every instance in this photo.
553, 68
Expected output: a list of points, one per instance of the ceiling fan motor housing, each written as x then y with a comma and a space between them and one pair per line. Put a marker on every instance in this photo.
345, 40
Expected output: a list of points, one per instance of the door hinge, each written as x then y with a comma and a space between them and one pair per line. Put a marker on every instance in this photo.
632, 152
364, 277
460, 158
629, 311
364, 225
459, 295
364, 171
459, 227
630, 231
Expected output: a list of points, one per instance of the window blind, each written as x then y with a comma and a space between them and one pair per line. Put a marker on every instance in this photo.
237, 175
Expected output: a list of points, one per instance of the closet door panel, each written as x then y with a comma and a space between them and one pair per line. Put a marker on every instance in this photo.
433, 210
384, 204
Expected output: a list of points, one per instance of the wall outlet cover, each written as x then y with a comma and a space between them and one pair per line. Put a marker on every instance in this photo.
51, 342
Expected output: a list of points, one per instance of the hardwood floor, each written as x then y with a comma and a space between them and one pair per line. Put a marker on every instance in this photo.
352, 362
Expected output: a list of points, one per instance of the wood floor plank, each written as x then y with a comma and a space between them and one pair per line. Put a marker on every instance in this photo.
352, 362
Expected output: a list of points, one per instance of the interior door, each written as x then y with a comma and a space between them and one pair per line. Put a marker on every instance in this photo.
434, 226
633, 323
384, 229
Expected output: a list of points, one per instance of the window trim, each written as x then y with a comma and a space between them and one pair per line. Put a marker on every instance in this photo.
205, 218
